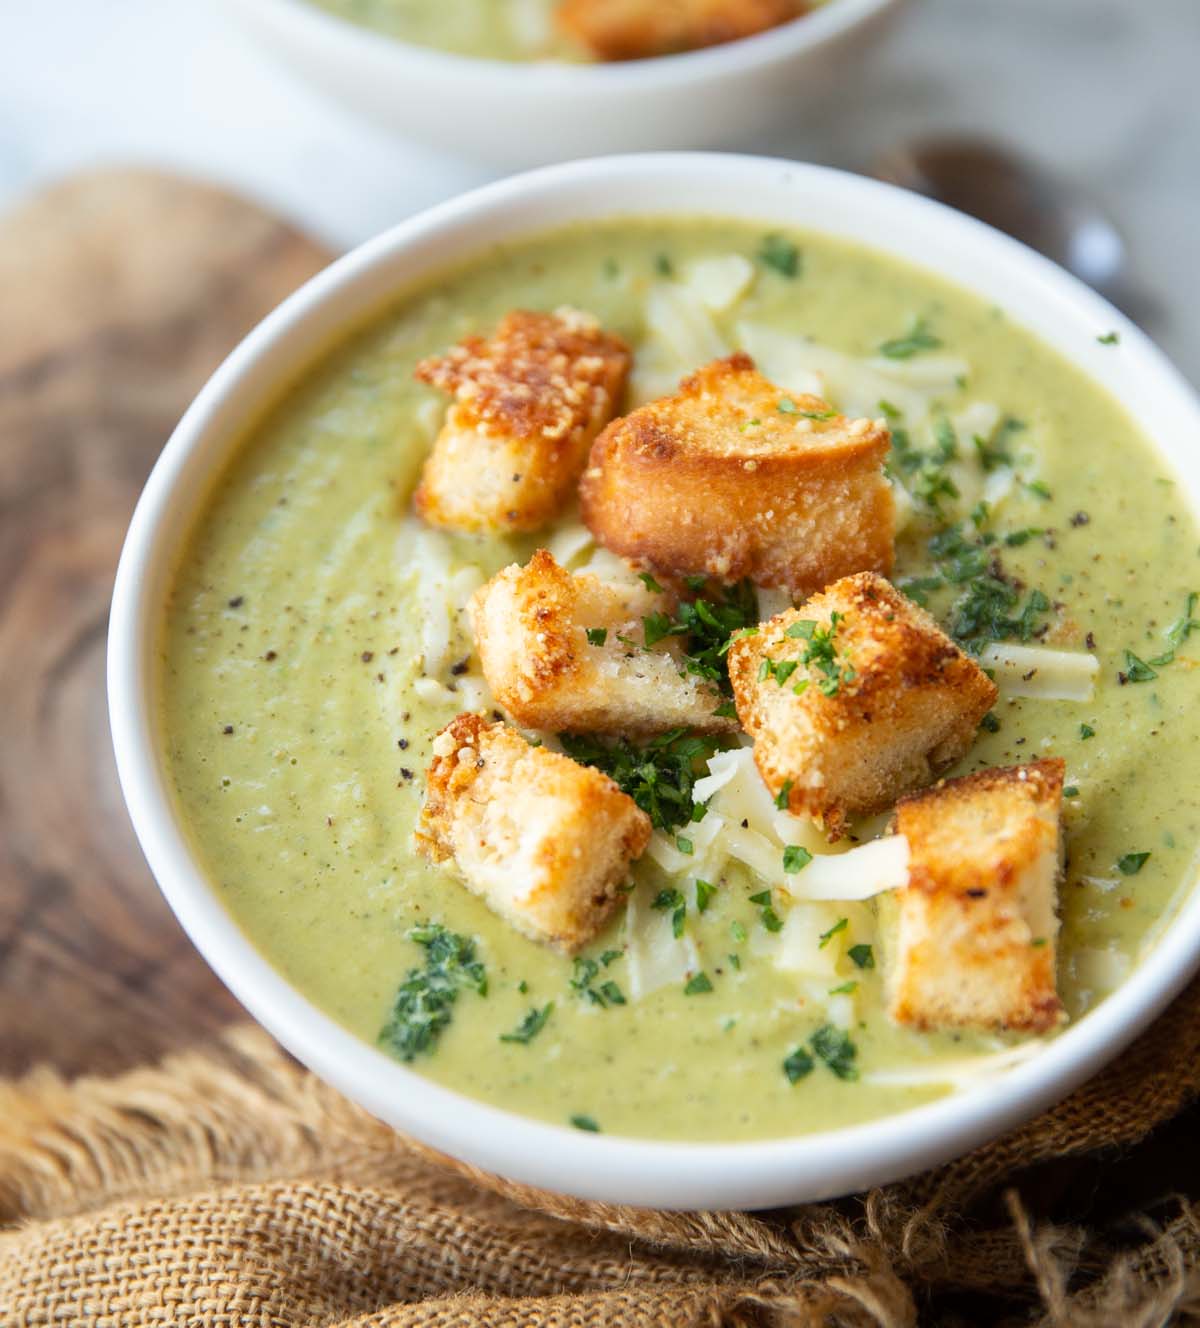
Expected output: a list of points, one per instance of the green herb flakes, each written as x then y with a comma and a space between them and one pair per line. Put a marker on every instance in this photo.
737, 932
796, 857
798, 1065
1086, 731
1110, 339
836, 1050
704, 894
785, 792
424, 1003
781, 254
697, 985
1129, 864
596, 636
862, 955
530, 1026
826, 936
917, 339
845, 989
1137, 670
684, 845
585, 1123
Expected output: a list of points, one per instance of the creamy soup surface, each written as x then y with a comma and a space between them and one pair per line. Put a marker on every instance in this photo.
313, 642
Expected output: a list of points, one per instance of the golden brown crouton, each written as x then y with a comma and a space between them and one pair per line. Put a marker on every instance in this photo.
975, 945
528, 401
636, 29
734, 478
850, 712
552, 652
544, 841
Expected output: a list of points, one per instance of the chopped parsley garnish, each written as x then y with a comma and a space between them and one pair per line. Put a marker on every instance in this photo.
663, 265
779, 669
862, 955
835, 1048
1086, 731
737, 932
530, 1026
796, 857
826, 936
1109, 339
610, 957
585, 1123
798, 1065
820, 653
710, 626
672, 901
424, 1003
684, 845
781, 254
1071, 791
918, 338
658, 777
650, 583
1129, 864
585, 973
1137, 670
781, 798
990, 723
846, 988
735, 961
1041, 488
787, 406
611, 992
1184, 626
697, 985
596, 636
767, 915
993, 453
704, 893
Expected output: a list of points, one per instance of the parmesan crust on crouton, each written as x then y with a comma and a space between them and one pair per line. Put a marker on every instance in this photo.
566, 652
528, 401
544, 841
636, 29
850, 712
975, 945
735, 478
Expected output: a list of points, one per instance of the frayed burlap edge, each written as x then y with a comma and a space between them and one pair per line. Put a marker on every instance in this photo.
240, 1128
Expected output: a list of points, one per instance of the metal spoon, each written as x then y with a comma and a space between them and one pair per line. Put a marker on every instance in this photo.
1050, 214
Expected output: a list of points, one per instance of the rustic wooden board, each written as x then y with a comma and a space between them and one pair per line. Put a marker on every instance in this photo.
121, 292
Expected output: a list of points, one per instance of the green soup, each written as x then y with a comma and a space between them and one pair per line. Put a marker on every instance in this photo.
298, 705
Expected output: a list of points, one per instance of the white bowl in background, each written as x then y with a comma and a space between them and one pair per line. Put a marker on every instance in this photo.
1034, 293
513, 113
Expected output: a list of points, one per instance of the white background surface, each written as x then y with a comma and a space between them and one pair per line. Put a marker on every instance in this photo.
1105, 90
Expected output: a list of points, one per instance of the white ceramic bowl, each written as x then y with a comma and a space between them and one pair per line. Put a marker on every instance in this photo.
1033, 292
523, 114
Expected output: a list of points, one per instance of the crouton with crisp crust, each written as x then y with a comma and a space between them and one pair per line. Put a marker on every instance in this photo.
637, 29
733, 477
528, 401
566, 652
854, 699
975, 944
544, 841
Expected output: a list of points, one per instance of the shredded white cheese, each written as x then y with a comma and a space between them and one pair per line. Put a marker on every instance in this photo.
719, 283
1038, 671
859, 873
654, 956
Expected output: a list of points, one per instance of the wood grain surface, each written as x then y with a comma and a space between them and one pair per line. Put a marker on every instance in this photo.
121, 292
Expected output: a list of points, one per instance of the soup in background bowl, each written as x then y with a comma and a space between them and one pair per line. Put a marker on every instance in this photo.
519, 91
290, 637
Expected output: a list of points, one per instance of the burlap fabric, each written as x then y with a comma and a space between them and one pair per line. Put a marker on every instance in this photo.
228, 1187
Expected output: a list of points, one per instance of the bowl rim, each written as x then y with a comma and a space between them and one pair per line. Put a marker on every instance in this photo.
342, 37
349, 292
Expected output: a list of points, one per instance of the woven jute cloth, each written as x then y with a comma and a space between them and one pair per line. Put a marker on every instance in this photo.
227, 1187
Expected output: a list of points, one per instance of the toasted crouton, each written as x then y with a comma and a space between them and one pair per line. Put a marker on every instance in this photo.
734, 478
528, 402
544, 841
566, 652
975, 943
846, 725
636, 29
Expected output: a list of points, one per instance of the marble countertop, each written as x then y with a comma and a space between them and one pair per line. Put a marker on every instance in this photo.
1102, 90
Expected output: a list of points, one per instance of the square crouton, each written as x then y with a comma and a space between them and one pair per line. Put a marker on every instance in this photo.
567, 653
733, 477
855, 699
638, 29
544, 841
975, 945
528, 401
